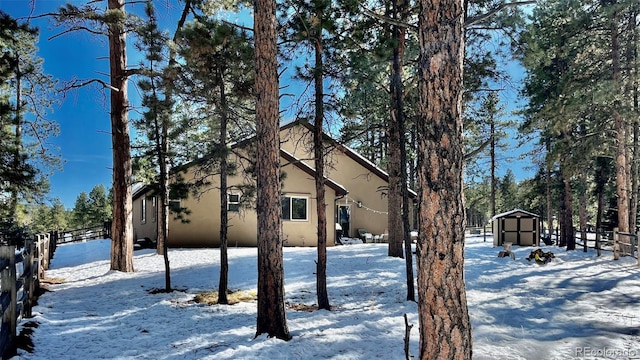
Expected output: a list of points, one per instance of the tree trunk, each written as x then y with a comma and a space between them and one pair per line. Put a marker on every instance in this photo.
493, 168
395, 166
271, 318
548, 191
17, 140
318, 147
567, 235
445, 329
622, 180
161, 130
632, 90
582, 210
224, 208
122, 226
600, 182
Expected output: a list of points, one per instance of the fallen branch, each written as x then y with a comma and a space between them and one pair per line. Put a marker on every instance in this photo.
407, 333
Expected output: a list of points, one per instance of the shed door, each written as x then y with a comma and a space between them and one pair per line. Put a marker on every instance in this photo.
511, 230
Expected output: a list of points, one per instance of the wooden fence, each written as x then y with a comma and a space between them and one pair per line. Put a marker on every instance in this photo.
625, 244
90, 233
620, 243
19, 293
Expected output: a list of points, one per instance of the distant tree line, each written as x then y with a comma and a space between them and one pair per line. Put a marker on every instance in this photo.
89, 210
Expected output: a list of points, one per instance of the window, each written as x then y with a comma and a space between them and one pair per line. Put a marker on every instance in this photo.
233, 202
174, 205
143, 210
294, 208
154, 208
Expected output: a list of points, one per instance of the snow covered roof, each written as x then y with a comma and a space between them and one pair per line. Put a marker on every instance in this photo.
366, 163
514, 211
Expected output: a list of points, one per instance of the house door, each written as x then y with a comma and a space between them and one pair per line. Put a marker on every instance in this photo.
344, 219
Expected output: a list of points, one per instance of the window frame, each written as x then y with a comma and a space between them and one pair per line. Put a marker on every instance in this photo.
173, 207
289, 199
230, 203
143, 210
154, 206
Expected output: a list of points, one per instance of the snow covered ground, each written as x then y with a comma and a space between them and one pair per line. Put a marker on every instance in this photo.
577, 306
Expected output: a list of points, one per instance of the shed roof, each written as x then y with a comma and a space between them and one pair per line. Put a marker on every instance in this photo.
512, 212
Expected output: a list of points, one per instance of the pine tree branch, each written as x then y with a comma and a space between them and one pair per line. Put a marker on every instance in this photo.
76, 28
468, 22
388, 20
480, 18
75, 84
478, 149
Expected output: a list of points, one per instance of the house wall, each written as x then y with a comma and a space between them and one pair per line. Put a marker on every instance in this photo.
363, 185
149, 227
203, 228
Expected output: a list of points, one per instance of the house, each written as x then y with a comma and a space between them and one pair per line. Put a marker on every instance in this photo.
355, 194
145, 213
517, 227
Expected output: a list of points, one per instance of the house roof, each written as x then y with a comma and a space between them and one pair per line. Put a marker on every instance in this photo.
339, 189
352, 154
139, 189
373, 168
512, 212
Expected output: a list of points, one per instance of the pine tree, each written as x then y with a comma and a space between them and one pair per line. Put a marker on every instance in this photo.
26, 97
99, 206
271, 312
445, 329
82, 211
218, 80
114, 23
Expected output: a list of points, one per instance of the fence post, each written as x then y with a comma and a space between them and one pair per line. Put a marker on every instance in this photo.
40, 255
29, 277
46, 254
8, 283
616, 244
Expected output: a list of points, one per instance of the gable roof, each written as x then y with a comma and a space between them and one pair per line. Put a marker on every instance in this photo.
513, 212
352, 154
139, 189
339, 189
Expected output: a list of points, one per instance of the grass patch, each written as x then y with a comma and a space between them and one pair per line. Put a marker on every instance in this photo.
234, 297
52, 281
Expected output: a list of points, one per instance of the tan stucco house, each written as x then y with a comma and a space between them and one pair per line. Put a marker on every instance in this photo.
355, 197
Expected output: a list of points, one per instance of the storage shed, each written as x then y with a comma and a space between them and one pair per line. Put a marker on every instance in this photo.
518, 227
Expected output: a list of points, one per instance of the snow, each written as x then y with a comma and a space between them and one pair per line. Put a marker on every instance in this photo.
577, 306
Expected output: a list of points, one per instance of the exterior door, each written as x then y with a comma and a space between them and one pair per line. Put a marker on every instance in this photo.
344, 219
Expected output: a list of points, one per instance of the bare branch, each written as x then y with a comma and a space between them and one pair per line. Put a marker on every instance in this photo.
478, 149
75, 84
480, 18
74, 29
387, 19
241, 27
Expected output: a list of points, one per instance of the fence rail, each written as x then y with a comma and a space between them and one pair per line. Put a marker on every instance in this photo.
625, 244
84, 234
619, 243
19, 293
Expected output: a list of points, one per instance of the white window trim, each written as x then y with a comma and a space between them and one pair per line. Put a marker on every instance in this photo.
291, 197
229, 202
143, 210
154, 210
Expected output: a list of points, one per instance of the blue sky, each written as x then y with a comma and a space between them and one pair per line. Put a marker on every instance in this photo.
83, 116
